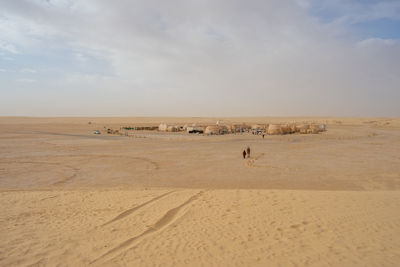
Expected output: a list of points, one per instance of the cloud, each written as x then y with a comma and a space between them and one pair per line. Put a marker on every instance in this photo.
8, 48
27, 70
26, 80
354, 11
210, 57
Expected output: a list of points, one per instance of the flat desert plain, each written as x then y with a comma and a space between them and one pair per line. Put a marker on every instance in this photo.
72, 198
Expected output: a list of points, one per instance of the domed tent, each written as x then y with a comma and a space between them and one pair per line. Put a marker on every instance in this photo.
285, 128
163, 127
215, 129
292, 127
274, 129
316, 128
172, 128
194, 129
302, 128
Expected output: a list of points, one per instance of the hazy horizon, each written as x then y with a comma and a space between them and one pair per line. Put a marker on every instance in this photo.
304, 58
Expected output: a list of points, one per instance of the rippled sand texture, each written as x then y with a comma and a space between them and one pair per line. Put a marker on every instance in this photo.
72, 198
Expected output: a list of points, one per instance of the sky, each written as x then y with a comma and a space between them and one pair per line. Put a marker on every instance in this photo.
200, 58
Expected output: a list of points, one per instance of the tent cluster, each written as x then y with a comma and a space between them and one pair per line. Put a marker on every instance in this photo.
206, 129
271, 129
218, 128
139, 128
294, 128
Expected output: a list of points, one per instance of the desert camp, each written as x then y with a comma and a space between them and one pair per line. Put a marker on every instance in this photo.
219, 129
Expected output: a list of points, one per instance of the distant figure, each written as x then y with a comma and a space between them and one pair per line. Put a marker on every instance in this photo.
263, 136
248, 152
244, 154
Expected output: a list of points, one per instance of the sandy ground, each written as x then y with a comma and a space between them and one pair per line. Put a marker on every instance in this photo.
72, 198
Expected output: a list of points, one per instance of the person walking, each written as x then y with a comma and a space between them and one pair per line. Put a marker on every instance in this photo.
244, 154
263, 136
248, 152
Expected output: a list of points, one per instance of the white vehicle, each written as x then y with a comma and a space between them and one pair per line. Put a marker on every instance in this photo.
96, 132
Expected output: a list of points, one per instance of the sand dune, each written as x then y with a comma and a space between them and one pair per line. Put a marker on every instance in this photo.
194, 227
71, 198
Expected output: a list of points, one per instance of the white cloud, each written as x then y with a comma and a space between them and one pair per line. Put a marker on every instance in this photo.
378, 42
23, 80
9, 48
27, 70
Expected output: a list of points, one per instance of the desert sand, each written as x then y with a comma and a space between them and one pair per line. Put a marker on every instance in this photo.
72, 198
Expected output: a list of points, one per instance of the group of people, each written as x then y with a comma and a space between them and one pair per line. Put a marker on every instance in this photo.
246, 152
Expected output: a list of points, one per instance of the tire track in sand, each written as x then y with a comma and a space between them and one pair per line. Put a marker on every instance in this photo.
60, 182
69, 178
130, 211
87, 157
162, 223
